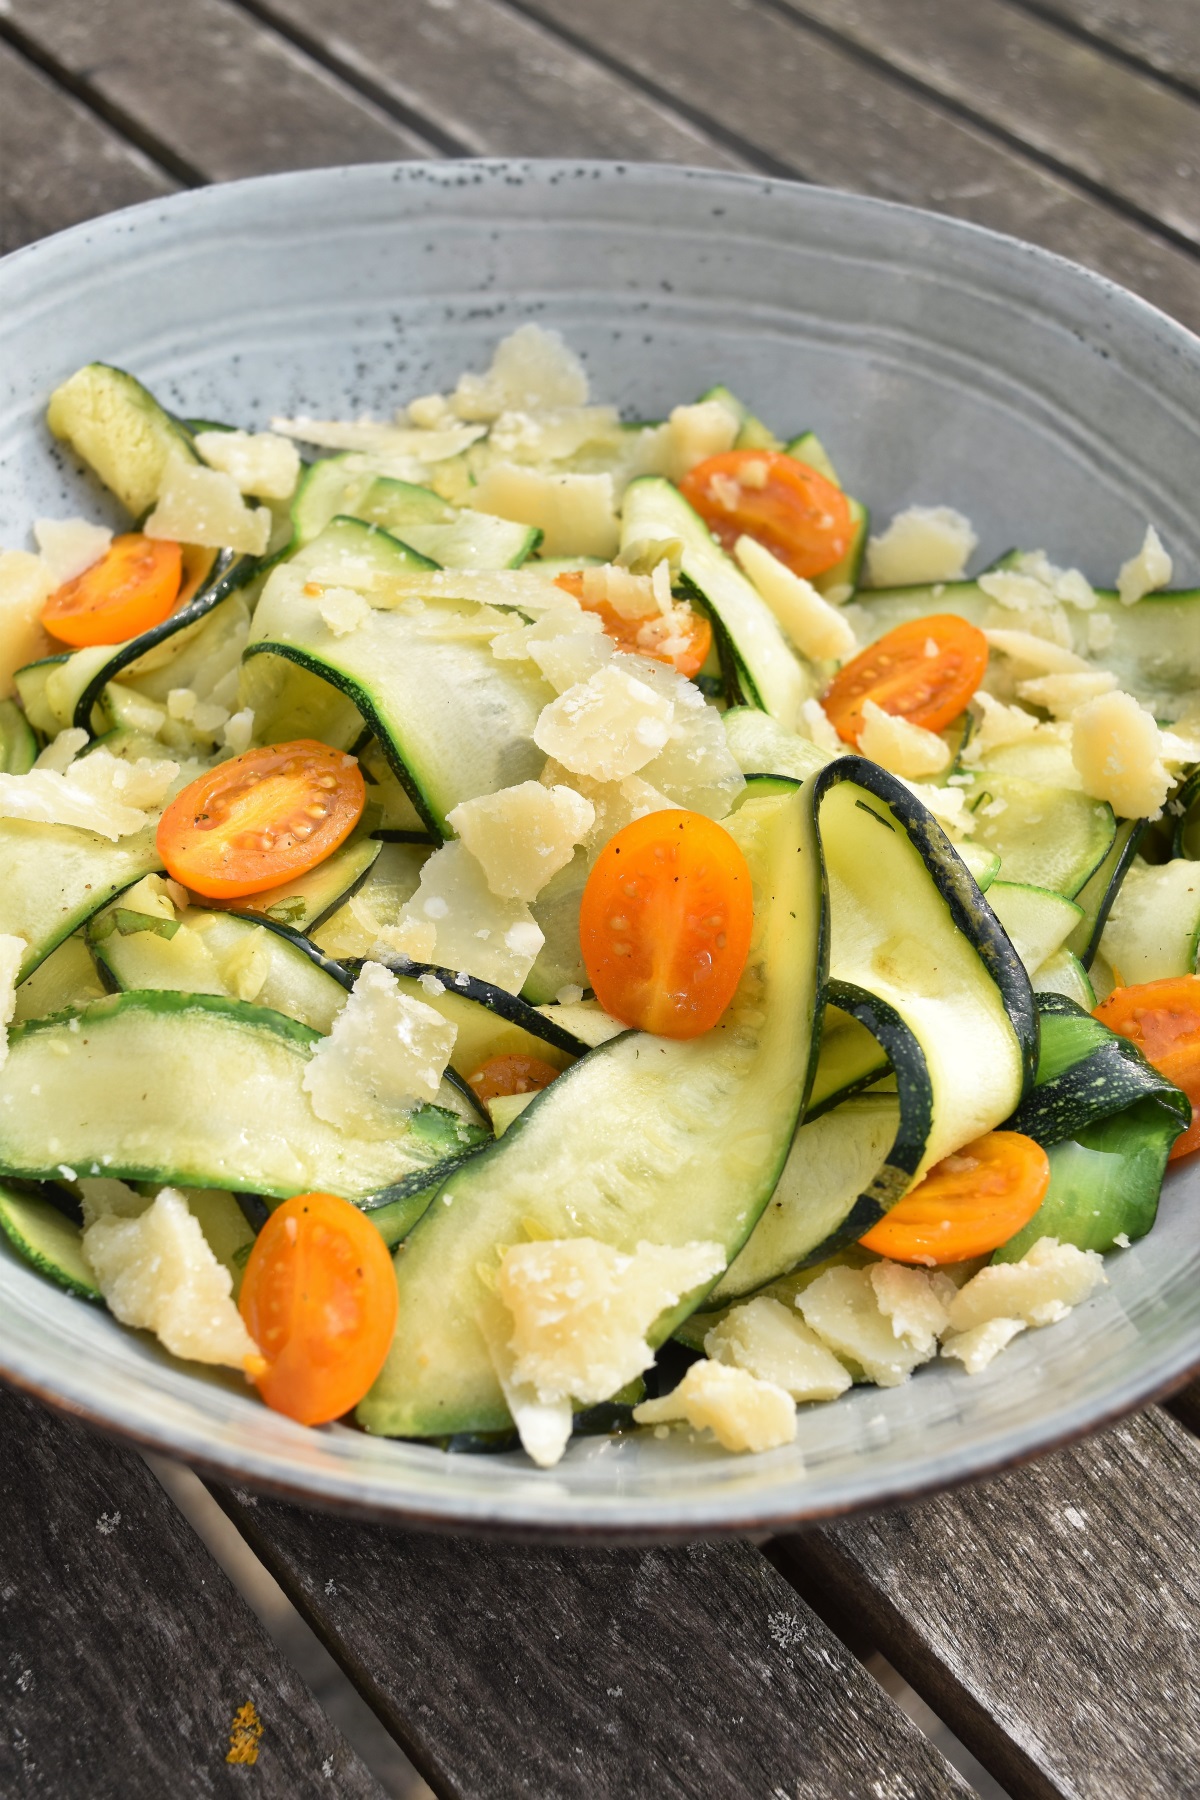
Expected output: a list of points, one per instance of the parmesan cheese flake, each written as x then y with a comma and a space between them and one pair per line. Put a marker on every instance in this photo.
923, 544
742, 1412
386, 1052
523, 835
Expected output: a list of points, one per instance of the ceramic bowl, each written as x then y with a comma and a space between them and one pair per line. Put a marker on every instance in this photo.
940, 363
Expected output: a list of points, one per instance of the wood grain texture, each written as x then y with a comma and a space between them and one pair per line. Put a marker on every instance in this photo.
208, 88
124, 1651
784, 92
59, 164
597, 1674
1050, 1616
1092, 115
491, 82
1163, 34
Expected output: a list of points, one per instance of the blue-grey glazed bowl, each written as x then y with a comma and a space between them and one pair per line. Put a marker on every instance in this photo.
939, 362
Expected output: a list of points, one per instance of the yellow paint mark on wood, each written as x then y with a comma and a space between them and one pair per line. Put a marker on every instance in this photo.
244, 1734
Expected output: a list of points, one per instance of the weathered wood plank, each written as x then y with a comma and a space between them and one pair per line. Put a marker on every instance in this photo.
597, 1674
493, 83
125, 1653
210, 87
1163, 34
1094, 116
1050, 1616
59, 164
786, 93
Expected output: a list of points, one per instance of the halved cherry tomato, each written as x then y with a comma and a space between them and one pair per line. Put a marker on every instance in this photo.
682, 639
319, 1299
665, 923
134, 586
924, 671
261, 818
968, 1204
793, 511
500, 1076
1163, 1019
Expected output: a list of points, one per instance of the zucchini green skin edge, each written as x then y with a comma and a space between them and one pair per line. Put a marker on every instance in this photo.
643, 1138
56, 877
50, 1242
230, 572
197, 1090
1087, 1073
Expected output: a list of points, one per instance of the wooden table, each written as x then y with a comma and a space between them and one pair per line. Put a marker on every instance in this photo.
1050, 1616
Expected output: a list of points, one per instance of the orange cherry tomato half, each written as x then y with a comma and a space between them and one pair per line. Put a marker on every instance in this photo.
500, 1076
261, 818
665, 923
794, 512
1163, 1019
319, 1299
924, 671
683, 640
133, 587
968, 1204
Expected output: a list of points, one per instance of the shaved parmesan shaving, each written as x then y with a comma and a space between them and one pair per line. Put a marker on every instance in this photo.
203, 506
924, 544
69, 546
373, 437
742, 1412
1146, 572
899, 745
532, 371
98, 793
260, 462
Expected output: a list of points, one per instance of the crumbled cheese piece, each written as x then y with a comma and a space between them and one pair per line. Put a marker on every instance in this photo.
154, 897
99, 792
103, 1197
543, 1426
1038, 652
25, 586
157, 1273
1117, 749
429, 412
581, 1310
203, 506
1063, 695
342, 610
474, 930
607, 727
630, 596
1146, 572
997, 724
842, 1307
1068, 585
899, 745
1041, 1289
1121, 1240
261, 462
61, 752
1017, 592
695, 433
386, 1051
12, 954
69, 546
239, 731
815, 723
523, 835
569, 994
742, 1412
413, 939
948, 806
532, 371
975, 1349
571, 655
576, 513
817, 629
766, 1339
923, 544
915, 1300
1101, 630
554, 436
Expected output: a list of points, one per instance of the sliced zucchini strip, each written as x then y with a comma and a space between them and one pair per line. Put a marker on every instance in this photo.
489, 1022
1096, 897
47, 1239
18, 746
847, 1166
226, 573
198, 1091
1085, 1073
120, 430
56, 877
768, 672
643, 1138
450, 536
303, 905
1046, 837
453, 720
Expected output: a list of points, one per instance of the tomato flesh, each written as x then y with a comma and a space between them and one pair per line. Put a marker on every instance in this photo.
682, 640
665, 923
790, 508
1163, 1019
133, 587
319, 1299
514, 1073
968, 1204
261, 819
925, 672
